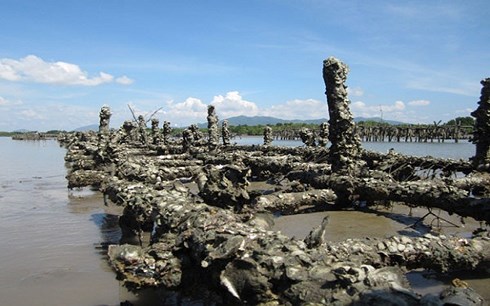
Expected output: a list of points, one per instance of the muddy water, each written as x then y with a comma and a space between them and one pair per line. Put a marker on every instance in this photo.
52, 238
388, 221
394, 220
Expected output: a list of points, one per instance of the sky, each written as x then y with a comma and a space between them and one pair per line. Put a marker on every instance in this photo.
410, 61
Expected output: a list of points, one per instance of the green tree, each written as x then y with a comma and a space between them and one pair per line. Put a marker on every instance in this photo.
464, 121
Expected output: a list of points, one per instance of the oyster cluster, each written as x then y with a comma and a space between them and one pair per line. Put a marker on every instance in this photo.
209, 211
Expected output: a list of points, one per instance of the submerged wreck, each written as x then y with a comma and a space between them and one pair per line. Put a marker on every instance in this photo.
210, 228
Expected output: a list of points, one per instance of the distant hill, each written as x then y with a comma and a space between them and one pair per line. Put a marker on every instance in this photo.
378, 119
264, 120
255, 120
259, 120
92, 127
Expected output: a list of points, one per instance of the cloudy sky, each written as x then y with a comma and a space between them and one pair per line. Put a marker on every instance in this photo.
412, 61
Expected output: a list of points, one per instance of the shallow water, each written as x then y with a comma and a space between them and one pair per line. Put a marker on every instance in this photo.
386, 222
461, 150
383, 222
52, 251
49, 234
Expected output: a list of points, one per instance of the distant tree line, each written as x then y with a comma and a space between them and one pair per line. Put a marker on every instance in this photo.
463, 121
49, 133
255, 130
259, 129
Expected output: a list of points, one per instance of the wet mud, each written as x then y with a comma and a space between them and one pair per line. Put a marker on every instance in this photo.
395, 220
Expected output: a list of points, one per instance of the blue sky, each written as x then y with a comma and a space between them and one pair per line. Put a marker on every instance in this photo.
412, 61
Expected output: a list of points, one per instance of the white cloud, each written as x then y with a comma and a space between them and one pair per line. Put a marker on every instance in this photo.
34, 69
190, 111
194, 110
190, 105
355, 91
399, 105
396, 111
298, 109
47, 116
376, 110
31, 114
419, 103
7, 72
232, 104
358, 105
124, 80
5, 102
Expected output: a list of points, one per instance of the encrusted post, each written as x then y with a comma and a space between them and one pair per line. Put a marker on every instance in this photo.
130, 130
307, 137
167, 130
267, 136
105, 116
187, 139
323, 134
225, 133
155, 132
481, 134
346, 145
142, 129
213, 140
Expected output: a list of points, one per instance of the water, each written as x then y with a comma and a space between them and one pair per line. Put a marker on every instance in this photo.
49, 234
460, 150
51, 237
448, 149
